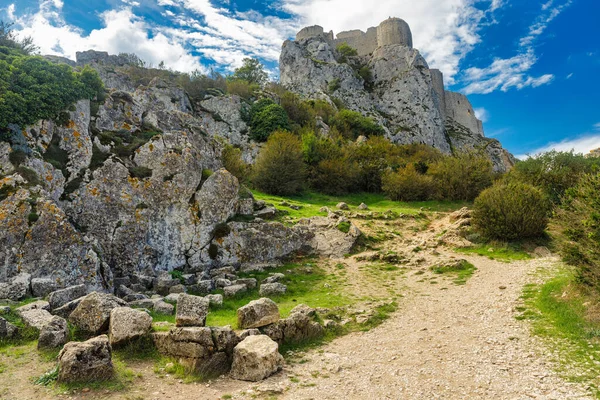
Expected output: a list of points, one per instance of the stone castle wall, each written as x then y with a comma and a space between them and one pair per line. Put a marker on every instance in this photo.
312, 31
459, 109
394, 31
364, 43
437, 80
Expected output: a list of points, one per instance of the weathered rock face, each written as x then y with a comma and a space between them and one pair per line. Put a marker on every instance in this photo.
402, 94
86, 362
7, 330
191, 310
256, 358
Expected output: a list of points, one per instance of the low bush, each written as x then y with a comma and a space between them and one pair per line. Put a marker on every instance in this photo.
577, 223
267, 117
408, 184
279, 167
511, 212
462, 177
334, 176
233, 162
353, 124
244, 89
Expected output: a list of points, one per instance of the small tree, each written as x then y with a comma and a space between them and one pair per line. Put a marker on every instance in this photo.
9, 39
267, 117
233, 162
408, 184
251, 71
279, 168
462, 177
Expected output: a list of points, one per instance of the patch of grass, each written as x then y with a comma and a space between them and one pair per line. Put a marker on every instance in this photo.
558, 313
344, 226
140, 349
506, 252
312, 202
26, 334
461, 271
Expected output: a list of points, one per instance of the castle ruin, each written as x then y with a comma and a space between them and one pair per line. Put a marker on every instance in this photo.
453, 107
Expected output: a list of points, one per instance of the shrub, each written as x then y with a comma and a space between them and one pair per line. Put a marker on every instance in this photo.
198, 85
244, 89
232, 161
334, 85
353, 124
267, 120
29, 175
554, 172
408, 184
346, 51
511, 212
334, 176
373, 158
251, 71
17, 157
577, 222
299, 112
279, 168
462, 177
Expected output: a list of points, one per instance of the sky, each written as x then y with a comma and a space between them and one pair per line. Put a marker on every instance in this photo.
531, 68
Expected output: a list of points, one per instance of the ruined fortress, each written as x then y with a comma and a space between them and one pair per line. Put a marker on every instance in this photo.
453, 107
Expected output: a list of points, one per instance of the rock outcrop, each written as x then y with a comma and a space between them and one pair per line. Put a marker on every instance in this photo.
399, 91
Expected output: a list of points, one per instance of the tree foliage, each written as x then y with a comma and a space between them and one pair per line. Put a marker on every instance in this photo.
251, 71
267, 117
9, 39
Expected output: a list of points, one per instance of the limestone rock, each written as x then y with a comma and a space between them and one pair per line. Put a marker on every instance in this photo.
66, 310
7, 330
42, 287
298, 327
234, 290
363, 206
256, 358
191, 310
17, 289
61, 297
215, 300
342, 206
88, 361
39, 304
92, 315
127, 324
54, 333
164, 308
272, 289
274, 278
36, 317
257, 313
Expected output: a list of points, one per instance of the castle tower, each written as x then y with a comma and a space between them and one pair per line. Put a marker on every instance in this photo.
437, 80
394, 31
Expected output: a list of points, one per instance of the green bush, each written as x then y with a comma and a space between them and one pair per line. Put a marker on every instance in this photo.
554, 172
17, 157
373, 158
232, 161
267, 117
577, 223
462, 177
334, 176
353, 124
244, 89
345, 51
408, 184
251, 71
279, 168
511, 212
298, 111
334, 85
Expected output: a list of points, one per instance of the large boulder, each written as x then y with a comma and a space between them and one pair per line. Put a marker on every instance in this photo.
299, 327
92, 315
191, 310
272, 289
61, 297
18, 287
256, 358
88, 361
127, 324
42, 287
54, 333
7, 330
257, 313
36, 317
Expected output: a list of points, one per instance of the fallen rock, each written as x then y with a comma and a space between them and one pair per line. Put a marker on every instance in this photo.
298, 327
172, 298
266, 213
215, 300
42, 287
66, 310
249, 282
89, 361
36, 305
127, 324
61, 297
54, 334
234, 290
274, 278
256, 358
17, 289
7, 330
92, 315
363, 206
164, 308
36, 317
342, 206
257, 313
272, 289
191, 310
177, 289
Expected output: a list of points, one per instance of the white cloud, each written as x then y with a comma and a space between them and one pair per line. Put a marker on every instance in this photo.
570, 75
508, 73
122, 32
581, 144
482, 114
10, 11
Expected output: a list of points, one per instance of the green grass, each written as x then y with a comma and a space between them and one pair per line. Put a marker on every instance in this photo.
560, 320
26, 334
312, 202
507, 252
306, 284
461, 271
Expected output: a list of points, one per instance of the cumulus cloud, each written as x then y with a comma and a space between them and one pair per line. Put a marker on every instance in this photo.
122, 32
10, 11
581, 144
507, 73
482, 114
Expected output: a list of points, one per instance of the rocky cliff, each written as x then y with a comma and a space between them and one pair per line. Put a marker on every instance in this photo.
389, 81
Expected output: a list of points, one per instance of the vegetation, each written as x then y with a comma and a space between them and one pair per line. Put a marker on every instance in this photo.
511, 212
501, 251
267, 117
346, 51
251, 71
461, 271
352, 124
279, 168
408, 184
232, 161
462, 177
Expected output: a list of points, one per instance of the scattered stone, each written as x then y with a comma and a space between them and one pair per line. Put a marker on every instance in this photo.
191, 310
363, 207
342, 206
330, 324
203, 287
61, 297
163, 285
249, 332
143, 303
86, 362
325, 210
296, 328
221, 272
4, 309
17, 289
172, 298
160, 307
542, 252
272, 289
92, 315
7, 330
42, 287
215, 300
274, 278
127, 324
258, 313
66, 310
54, 333
222, 283
234, 290
256, 358
36, 305
249, 282
36, 317
266, 213
177, 289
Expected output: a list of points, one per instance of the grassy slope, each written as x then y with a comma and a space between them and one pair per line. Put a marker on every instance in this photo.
507, 252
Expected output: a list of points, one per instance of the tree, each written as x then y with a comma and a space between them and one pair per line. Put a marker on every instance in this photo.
9, 39
267, 117
251, 71
279, 168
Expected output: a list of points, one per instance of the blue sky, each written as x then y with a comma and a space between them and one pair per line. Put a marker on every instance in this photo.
530, 67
